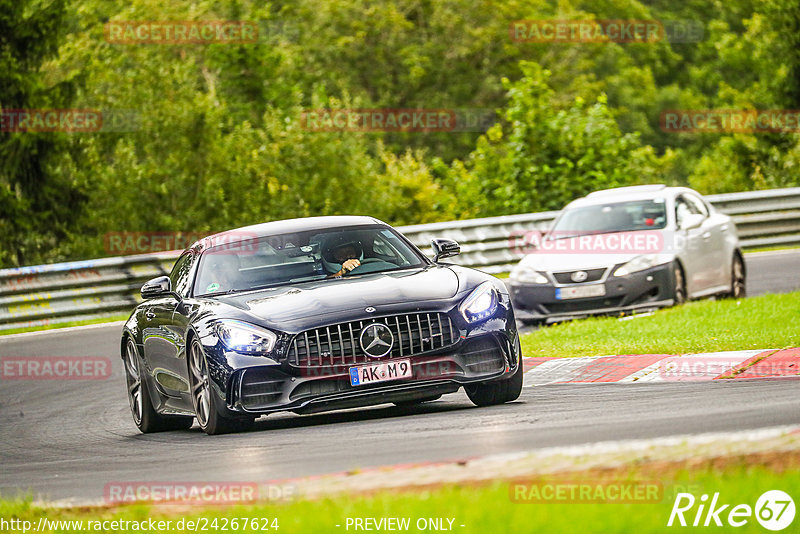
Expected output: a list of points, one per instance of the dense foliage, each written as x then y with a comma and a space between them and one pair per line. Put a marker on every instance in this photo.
218, 142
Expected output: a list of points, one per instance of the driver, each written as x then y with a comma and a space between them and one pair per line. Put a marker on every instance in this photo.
341, 257
220, 272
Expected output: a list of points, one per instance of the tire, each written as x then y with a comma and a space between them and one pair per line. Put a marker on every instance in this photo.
406, 404
145, 417
205, 409
499, 392
738, 279
678, 285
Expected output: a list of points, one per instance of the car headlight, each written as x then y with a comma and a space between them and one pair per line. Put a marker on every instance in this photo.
246, 338
527, 275
639, 263
480, 304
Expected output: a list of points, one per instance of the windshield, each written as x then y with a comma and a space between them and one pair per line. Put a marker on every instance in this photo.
613, 217
300, 257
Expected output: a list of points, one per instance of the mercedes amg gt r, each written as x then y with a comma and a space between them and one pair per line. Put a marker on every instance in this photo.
314, 314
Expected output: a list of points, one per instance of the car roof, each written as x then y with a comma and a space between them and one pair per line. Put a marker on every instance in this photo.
286, 225
630, 193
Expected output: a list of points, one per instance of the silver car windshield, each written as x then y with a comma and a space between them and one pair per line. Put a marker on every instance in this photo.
290, 258
612, 217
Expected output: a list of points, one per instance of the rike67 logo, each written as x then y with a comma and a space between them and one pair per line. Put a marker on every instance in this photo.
774, 510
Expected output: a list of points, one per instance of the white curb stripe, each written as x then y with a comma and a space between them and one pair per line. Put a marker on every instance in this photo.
558, 370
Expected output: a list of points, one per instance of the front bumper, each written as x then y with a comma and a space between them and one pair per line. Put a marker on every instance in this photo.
270, 389
640, 291
243, 385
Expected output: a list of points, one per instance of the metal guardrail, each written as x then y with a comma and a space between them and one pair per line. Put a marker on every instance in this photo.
73, 291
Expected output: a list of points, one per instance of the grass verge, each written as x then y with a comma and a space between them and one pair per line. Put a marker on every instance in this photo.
764, 322
492, 507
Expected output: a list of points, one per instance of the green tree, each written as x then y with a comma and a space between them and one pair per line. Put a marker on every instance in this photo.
39, 197
550, 154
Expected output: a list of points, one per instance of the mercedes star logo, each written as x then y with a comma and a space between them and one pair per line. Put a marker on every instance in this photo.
376, 340
579, 276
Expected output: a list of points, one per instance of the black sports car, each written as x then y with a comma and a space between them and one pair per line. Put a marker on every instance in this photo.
314, 314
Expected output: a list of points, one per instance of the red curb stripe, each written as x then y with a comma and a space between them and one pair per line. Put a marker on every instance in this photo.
782, 363
744, 364
615, 368
530, 363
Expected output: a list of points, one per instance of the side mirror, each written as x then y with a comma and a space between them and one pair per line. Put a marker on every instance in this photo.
157, 287
692, 221
444, 248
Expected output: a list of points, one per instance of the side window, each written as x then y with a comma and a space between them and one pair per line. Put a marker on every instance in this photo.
379, 246
697, 204
682, 210
180, 274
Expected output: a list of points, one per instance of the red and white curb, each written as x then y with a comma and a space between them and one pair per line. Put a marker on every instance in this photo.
633, 368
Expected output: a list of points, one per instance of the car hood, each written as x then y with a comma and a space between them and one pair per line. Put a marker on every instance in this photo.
291, 304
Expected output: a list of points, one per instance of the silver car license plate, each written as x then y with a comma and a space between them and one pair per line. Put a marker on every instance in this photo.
581, 292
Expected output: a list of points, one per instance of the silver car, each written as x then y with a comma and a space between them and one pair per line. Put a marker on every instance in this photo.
624, 250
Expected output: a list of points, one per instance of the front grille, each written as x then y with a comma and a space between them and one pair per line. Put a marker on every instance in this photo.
314, 388
259, 388
566, 277
414, 333
483, 356
581, 305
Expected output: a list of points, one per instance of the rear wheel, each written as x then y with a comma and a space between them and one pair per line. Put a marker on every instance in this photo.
738, 287
145, 417
679, 285
208, 417
499, 392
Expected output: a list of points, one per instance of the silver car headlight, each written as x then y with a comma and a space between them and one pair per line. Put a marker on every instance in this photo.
639, 263
527, 275
245, 337
480, 304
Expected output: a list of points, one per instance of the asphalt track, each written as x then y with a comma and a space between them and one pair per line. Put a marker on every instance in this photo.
68, 439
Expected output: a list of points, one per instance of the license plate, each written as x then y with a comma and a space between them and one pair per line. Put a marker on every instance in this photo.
581, 292
380, 372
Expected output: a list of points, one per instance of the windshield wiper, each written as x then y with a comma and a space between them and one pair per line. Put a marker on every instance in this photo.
221, 293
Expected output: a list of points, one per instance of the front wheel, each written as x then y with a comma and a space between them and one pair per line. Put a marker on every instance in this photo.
145, 417
498, 392
208, 417
679, 285
738, 287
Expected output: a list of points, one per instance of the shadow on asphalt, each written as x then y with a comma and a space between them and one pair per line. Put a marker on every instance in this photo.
288, 420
